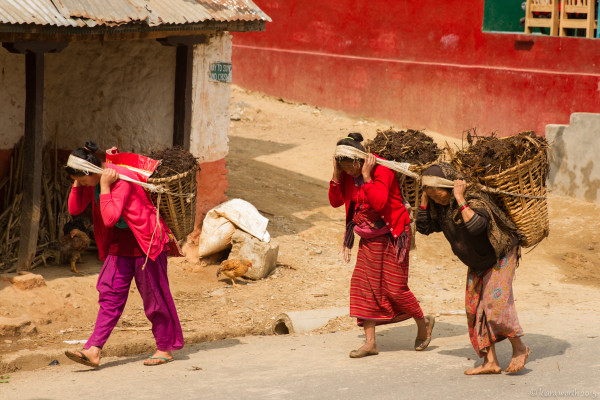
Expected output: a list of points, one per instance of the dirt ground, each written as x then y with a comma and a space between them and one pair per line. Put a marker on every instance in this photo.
280, 160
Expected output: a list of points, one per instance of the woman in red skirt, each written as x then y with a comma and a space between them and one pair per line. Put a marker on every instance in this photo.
379, 292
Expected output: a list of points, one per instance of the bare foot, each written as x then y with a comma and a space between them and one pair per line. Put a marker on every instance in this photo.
368, 347
484, 369
159, 358
518, 361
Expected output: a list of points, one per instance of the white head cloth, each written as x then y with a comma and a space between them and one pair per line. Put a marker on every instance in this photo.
436, 181
355, 154
89, 168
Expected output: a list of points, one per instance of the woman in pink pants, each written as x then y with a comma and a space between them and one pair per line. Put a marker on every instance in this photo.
132, 246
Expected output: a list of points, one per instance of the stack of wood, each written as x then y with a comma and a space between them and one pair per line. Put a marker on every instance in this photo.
177, 172
53, 207
173, 161
517, 168
488, 155
410, 146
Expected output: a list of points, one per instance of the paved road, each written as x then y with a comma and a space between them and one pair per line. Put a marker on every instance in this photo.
318, 367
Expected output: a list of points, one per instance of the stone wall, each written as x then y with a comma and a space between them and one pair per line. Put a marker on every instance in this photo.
574, 153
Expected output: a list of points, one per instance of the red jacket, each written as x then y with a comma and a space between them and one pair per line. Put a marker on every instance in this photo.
126, 200
383, 194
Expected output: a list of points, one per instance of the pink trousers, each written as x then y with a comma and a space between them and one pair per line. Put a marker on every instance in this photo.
152, 283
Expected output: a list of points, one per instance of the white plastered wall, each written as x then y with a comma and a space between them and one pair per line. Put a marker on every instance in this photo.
115, 93
12, 98
210, 101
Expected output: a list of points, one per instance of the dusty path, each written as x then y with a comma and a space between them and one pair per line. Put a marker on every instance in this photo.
318, 367
280, 160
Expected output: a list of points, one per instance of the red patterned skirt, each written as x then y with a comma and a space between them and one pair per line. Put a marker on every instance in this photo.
379, 286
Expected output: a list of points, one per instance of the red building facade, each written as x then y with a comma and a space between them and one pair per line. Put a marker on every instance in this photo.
425, 64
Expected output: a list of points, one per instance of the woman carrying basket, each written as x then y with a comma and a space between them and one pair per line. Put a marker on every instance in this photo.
132, 244
379, 292
483, 238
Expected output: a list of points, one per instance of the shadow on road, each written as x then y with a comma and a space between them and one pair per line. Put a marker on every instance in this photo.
282, 195
542, 346
401, 338
206, 346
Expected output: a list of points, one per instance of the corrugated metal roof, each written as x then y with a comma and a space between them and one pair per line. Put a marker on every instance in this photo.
90, 13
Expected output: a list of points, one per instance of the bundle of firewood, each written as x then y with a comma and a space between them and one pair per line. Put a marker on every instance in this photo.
53, 207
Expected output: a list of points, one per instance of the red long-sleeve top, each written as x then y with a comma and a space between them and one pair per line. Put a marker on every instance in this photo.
382, 193
125, 200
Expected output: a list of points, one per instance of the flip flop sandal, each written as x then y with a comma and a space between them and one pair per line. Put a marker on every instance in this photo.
421, 344
163, 360
80, 358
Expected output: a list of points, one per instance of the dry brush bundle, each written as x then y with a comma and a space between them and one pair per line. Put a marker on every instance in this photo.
517, 168
176, 172
174, 161
410, 146
53, 206
488, 155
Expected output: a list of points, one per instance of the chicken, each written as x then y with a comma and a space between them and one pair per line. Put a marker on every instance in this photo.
72, 245
234, 268
80, 222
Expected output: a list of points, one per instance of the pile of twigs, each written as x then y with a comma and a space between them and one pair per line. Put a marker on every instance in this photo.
53, 207
173, 161
410, 146
488, 155
516, 167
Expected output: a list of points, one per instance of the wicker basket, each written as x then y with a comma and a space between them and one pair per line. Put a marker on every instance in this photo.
178, 212
411, 187
528, 214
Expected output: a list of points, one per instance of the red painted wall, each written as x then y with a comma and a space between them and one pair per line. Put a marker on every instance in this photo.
423, 64
212, 184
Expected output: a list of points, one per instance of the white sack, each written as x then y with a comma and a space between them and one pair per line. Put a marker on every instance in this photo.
221, 221
246, 217
216, 234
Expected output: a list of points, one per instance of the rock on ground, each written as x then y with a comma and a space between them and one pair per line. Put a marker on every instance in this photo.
25, 282
16, 327
263, 256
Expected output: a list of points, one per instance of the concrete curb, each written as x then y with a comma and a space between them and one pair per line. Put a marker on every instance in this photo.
28, 360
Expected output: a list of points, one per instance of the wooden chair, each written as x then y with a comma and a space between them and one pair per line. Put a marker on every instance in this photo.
545, 6
586, 8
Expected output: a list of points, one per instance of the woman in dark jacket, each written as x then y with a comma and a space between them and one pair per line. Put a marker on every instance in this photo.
483, 238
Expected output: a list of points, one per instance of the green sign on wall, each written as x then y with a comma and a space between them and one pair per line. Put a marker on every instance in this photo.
220, 72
